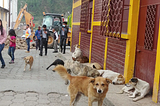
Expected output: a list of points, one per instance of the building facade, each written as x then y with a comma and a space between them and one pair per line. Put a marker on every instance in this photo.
8, 12
121, 35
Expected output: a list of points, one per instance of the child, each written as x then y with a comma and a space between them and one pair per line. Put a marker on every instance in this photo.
55, 40
12, 45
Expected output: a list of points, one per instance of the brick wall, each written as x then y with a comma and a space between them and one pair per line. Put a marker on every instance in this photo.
75, 36
98, 46
85, 43
77, 14
116, 55
97, 10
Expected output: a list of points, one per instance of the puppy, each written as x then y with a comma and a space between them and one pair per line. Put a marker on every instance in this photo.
93, 65
141, 87
94, 88
56, 62
28, 60
116, 78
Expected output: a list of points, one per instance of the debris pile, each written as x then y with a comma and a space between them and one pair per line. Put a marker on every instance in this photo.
20, 44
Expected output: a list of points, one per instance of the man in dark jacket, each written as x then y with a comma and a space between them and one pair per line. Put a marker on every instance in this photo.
44, 40
63, 37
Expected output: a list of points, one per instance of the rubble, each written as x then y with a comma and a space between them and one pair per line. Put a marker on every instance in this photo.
21, 44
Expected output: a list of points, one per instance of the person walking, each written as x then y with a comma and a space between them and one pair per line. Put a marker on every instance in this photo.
63, 37
3, 37
12, 45
55, 35
38, 37
27, 36
44, 40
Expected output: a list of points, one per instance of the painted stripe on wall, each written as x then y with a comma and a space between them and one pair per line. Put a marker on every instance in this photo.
105, 54
131, 43
157, 71
77, 4
91, 32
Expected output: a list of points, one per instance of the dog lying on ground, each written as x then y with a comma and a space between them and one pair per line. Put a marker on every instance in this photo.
84, 70
56, 62
77, 52
94, 88
81, 59
93, 65
28, 60
116, 78
141, 87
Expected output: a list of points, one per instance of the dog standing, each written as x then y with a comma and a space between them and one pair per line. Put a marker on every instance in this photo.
94, 88
28, 60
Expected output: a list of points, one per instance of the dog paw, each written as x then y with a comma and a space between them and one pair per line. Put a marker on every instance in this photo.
132, 96
134, 100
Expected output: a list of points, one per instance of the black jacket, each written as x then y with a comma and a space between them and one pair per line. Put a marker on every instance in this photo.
65, 32
48, 34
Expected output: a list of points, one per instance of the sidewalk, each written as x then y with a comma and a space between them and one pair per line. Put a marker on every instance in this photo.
120, 99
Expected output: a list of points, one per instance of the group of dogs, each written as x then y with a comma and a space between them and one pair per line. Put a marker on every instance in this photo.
91, 80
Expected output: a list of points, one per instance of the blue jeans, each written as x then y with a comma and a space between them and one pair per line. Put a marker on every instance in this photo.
1, 58
28, 43
11, 52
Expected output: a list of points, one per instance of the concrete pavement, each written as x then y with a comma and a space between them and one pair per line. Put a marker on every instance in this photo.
38, 87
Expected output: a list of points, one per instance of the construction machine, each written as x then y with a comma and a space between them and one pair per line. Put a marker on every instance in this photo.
53, 20
28, 19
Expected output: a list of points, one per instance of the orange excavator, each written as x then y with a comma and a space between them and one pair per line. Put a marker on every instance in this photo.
28, 19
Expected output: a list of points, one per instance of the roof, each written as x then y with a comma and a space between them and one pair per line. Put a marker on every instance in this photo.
4, 9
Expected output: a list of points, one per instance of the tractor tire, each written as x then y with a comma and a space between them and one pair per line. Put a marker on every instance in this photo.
50, 41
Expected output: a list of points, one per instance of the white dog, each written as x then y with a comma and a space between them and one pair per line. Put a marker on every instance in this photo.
116, 78
141, 87
77, 52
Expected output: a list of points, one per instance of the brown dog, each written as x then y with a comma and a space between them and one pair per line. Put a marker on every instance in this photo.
94, 88
28, 60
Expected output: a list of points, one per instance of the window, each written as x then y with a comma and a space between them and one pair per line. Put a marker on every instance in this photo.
2, 14
6, 16
90, 14
112, 17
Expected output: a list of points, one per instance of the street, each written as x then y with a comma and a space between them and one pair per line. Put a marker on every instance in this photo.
38, 87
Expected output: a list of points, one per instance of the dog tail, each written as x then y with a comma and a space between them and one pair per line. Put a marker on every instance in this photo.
49, 66
62, 72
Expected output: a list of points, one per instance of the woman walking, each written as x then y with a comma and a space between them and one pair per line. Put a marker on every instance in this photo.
12, 45
3, 37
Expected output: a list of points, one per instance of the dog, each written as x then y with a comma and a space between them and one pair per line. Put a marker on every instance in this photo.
28, 60
116, 78
94, 65
141, 87
81, 59
77, 52
94, 88
84, 70
56, 62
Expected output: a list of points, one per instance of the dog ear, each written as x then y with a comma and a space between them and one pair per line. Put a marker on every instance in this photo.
24, 58
94, 66
101, 74
108, 80
92, 81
